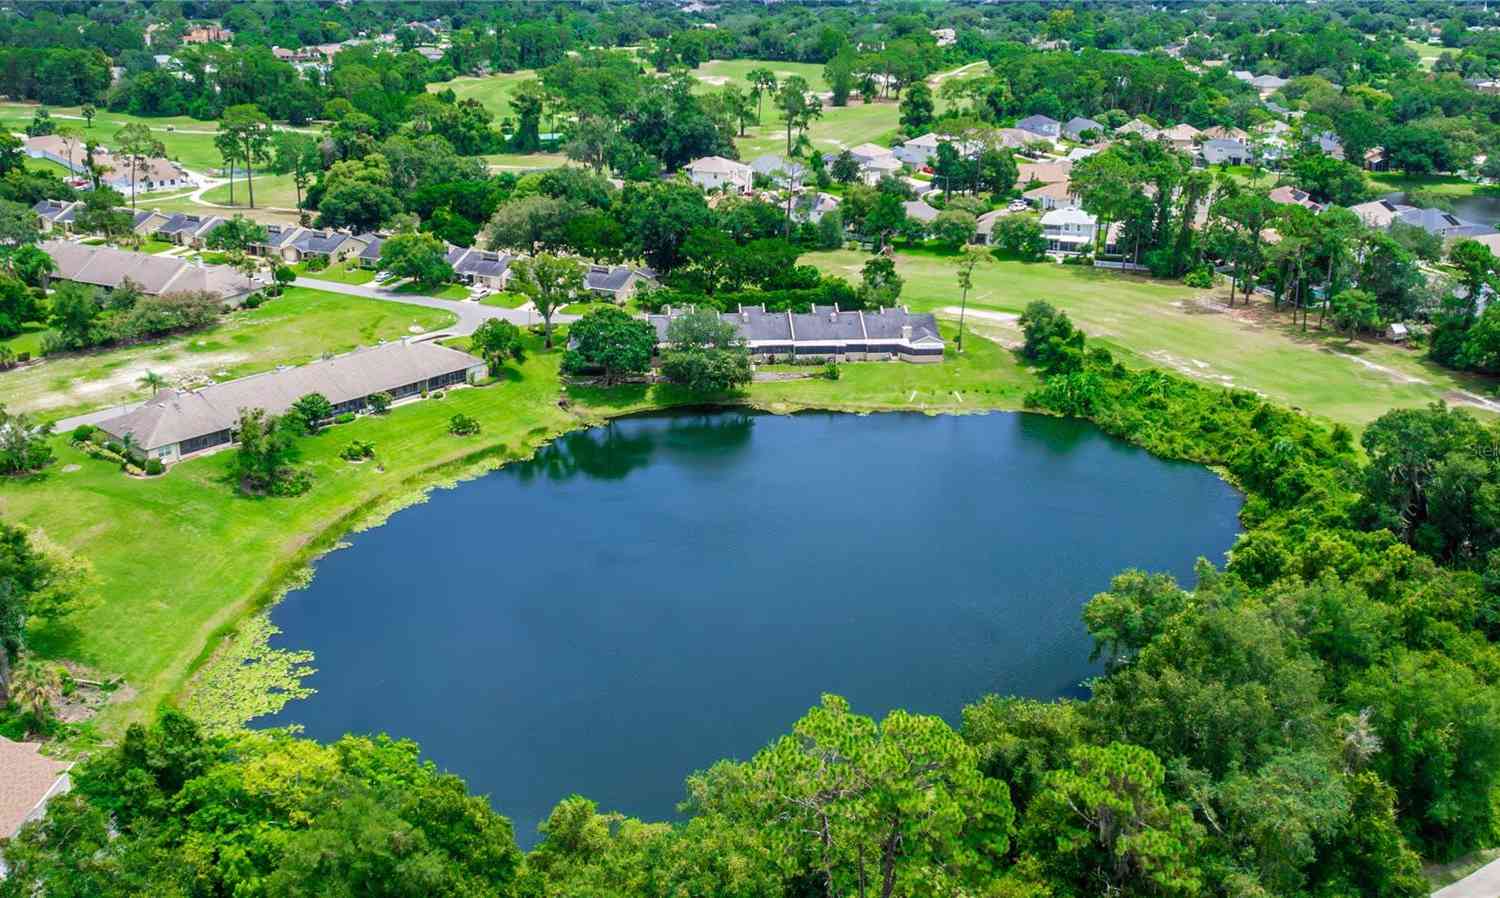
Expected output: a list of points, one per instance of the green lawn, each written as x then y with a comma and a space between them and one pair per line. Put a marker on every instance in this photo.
718, 72
1159, 323
270, 190
492, 91
448, 291
525, 161
840, 126
28, 340
1428, 53
1438, 185
186, 139
343, 273
504, 300
155, 246
295, 328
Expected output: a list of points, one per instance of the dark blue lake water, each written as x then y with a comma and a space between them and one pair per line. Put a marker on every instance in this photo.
645, 598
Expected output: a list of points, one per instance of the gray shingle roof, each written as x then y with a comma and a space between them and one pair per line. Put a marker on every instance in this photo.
822, 324
104, 266
177, 415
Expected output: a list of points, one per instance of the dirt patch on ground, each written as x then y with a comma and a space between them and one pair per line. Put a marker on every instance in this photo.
997, 327
190, 369
1194, 368
715, 80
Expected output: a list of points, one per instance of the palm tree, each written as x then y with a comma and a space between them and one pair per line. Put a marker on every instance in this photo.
965, 284
762, 82
153, 380
32, 689
130, 445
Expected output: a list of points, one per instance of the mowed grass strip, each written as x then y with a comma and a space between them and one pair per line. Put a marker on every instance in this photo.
294, 328
183, 556
1171, 326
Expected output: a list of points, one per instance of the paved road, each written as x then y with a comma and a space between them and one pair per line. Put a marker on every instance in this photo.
1482, 883
470, 314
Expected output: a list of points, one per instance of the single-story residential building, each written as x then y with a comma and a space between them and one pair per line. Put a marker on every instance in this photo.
369, 257
145, 221
107, 267
30, 780
919, 151
778, 170
1376, 159
56, 215
1040, 125
1379, 213
480, 268
1443, 224
1043, 172
188, 230
1069, 231
293, 244
866, 153
1230, 152
1291, 196
178, 423
1329, 143
1057, 195
826, 333
1137, 126
156, 173
919, 210
617, 283
881, 166
71, 154
1078, 126
984, 230
718, 173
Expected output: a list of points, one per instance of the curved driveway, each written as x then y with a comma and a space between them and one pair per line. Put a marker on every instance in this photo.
470, 314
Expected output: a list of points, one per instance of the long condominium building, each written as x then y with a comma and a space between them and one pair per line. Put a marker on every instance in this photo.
826, 332
178, 423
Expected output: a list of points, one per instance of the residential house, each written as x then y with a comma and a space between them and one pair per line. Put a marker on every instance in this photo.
1376, 159
156, 173
1183, 137
1137, 126
188, 230
293, 244
369, 257
1079, 126
207, 34
1379, 213
919, 151
1220, 132
1068, 231
828, 333
881, 166
984, 231
107, 268
718, 173
1268, 84
1291, 196
920, 211
145, 222
779, 171
480, 268
56, 215
71, 154
431, 54
617, 283
1443, 224
1227, 152
176, 424
1041, 126
1330, 144
1043, 172
946, 37
811, 207
1057, 195
30, 780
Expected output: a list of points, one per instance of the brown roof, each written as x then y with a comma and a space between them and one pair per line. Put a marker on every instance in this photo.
26, 780
1046, 172
104, 266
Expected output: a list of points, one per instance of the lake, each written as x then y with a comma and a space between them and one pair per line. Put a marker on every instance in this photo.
644, 598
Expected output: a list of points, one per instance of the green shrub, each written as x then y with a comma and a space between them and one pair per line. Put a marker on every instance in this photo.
462, 425
436, 394
380, 402
83, 432
831, 370
344, 418
98, 437
253, 301
115, 446
1202, 278
154, 467
357, 450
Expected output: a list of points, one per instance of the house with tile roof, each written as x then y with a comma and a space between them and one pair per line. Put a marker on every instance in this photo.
176, 424
1057, 195
1288, 195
